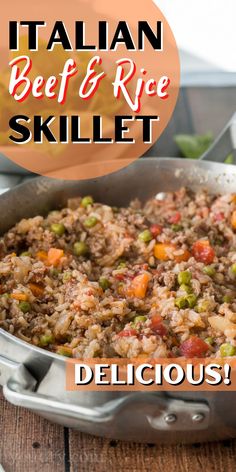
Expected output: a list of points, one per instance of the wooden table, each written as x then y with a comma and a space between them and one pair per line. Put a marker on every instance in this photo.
30, 443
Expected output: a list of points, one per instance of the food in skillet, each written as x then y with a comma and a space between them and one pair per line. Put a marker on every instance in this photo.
95, 281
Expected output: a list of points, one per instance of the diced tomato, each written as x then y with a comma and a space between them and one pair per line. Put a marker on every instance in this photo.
130, 276
219, 216
128, 332
119, 276
170, 355
175, 218
42, 256
203, 252
156, 230
19, 296
54, 256
194, 347
157, 325
145, 266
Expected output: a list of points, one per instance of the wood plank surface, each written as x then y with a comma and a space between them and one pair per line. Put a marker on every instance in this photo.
28, 442
88, 454
32, 444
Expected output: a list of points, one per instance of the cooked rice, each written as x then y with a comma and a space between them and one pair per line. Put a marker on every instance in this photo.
71, 314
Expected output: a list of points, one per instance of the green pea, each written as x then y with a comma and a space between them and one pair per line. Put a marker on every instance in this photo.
54, 213
176, 227
233, 269
46, 339
121, 265
209, 340
209, 270
24, 306
185, 288
80, 248
181, 302
203, 306
66, 276
227, 349
58, 229
191, 300
104, 283
86, 201
90, 222
184, 277
54, 272
227, 299
145, 236
25, 254
140, 319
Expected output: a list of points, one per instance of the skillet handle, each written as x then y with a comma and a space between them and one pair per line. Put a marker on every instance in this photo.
224, 145
162, 413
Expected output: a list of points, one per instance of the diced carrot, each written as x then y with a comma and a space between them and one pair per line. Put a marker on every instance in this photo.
42, 256
19, 296
54, 256
233, 219
234, 198
36, 289
139, 285
182, 257
165, 252
119, 276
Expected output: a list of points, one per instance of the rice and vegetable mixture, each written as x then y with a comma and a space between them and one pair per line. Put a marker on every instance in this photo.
96, 281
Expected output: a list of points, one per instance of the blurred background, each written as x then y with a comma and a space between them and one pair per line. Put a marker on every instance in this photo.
206, 36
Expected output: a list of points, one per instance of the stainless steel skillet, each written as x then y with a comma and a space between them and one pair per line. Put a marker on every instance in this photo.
34, 378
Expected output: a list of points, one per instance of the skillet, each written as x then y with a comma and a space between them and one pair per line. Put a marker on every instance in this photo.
35, 378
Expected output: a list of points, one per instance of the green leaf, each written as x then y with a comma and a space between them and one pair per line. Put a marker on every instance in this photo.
193, 146
229, 159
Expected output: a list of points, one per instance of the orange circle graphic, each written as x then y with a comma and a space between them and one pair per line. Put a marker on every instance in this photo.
87, 86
